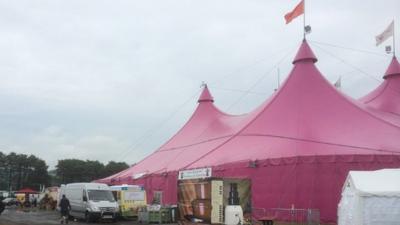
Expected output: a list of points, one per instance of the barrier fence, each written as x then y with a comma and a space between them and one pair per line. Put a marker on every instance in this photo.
291, 216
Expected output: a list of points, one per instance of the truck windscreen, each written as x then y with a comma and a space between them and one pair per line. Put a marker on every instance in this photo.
100, 195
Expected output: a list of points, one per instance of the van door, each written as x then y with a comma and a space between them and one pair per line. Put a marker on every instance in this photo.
84, 203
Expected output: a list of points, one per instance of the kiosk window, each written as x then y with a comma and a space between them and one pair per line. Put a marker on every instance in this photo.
157, 197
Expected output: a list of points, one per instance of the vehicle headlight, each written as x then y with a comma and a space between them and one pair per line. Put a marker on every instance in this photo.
95, 208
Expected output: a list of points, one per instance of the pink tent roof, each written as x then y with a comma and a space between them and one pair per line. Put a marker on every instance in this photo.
386, 97
27, 191
307, 116
206, 95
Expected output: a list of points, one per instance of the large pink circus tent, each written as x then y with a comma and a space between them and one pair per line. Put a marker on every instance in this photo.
296, 148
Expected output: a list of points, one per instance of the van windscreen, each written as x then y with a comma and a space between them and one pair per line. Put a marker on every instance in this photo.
100, 195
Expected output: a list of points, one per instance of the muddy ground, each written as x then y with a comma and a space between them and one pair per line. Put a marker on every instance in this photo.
15, 216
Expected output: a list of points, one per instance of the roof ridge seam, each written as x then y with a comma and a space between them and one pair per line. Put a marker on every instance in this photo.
274, 97
386, 84
321, 142
197, 143
355, 102
185, 125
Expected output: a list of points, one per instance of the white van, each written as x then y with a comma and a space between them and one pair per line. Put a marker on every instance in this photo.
91, 201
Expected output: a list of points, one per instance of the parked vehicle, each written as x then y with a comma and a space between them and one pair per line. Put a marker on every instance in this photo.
9, 201
130, 198
90, 201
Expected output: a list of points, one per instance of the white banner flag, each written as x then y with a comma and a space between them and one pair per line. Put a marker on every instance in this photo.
387, 33
338, 83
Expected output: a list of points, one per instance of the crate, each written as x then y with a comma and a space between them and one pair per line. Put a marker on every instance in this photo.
143, 216
160, 216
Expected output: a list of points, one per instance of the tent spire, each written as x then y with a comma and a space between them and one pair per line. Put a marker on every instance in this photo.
205, 95
393, 69
305, 53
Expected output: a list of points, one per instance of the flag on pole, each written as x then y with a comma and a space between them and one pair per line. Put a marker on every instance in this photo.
297, 11
387, 33
338, 83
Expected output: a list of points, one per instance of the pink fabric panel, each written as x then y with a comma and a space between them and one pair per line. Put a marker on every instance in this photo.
167, 183
306, 185
265, 147
206, 123
308, 107
386, 97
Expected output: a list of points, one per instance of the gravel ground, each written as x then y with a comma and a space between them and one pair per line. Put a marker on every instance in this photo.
15, 216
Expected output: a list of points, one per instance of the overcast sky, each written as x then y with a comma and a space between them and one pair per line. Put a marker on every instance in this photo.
113, 80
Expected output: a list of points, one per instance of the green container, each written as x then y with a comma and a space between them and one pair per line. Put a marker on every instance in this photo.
165, 215
154, 217
162, 216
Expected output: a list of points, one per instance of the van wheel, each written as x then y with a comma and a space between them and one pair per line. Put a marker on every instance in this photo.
87, 218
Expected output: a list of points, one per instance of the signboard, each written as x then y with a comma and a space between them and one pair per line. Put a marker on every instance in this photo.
194, 174
135, 195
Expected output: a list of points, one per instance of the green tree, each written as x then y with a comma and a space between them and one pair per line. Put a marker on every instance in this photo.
94, 170
3, 172
20, 170
70, 170
114, 167
39, 174
75, 170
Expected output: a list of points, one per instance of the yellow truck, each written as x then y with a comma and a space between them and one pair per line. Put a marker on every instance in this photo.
130, 198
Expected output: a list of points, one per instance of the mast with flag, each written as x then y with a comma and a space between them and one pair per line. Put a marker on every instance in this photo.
394, 41
387, 33
297, 11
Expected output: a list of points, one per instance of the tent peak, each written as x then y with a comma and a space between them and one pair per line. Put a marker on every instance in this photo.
305, 53
393, 69
205, 95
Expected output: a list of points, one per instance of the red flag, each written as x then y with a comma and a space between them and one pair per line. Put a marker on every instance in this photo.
297, 11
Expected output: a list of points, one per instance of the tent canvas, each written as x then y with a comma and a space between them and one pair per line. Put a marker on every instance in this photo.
370, 197
386, 96
296, 148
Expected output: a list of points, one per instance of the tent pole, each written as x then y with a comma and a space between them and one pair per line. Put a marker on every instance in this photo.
304, 19
394, 38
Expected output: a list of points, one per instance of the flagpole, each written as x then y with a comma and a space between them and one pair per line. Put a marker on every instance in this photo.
394, 39
304, 19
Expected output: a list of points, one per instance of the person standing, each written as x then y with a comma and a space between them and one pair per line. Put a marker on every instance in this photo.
2, 205
34, 202
64, 209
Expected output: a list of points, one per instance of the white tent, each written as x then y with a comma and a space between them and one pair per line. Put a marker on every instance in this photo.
370, 197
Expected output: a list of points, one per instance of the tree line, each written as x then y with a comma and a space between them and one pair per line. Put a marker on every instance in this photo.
76, 170
20, 170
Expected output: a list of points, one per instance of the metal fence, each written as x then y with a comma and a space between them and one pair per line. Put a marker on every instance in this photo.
291, 216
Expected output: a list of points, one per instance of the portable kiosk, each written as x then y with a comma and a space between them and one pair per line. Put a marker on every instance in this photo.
208, 199
130, 198
370, 197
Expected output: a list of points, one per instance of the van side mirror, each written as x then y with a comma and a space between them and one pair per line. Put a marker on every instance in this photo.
84, 198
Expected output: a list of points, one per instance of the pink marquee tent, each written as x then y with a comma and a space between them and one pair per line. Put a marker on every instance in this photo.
300, 143
386, 97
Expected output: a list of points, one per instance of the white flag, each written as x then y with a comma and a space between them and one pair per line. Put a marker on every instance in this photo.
338, 83
387, 33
